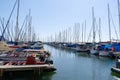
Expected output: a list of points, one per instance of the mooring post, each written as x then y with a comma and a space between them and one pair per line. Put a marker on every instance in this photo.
34, 70
1, 73
39, 72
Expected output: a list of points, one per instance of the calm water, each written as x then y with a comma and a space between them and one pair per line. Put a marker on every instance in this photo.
73, 66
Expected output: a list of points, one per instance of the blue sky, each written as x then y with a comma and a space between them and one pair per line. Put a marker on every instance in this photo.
51, 16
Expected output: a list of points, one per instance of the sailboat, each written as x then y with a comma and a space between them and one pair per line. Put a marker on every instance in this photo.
82, 47
93, 49
106, 50
116, 46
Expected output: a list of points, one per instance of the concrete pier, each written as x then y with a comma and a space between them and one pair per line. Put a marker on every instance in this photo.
37, 69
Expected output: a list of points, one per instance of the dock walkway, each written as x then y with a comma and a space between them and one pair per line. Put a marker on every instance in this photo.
36, 68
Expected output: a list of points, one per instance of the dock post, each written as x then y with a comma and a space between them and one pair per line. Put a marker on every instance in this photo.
37, 71
40, 70
34, 71
1, 73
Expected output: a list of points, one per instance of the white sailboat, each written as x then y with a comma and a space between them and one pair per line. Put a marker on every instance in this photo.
106, 52
93, 49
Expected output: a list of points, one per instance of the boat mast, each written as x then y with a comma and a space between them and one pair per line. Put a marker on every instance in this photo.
75, 33
16, 28
109, 23
69, 34
85, 32
82, 31
119, 16
93, 24
100, 30
29, 26
77, 28
2, 23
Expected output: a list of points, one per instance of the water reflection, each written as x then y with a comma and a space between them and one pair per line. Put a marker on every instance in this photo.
29, 76
82, 54
115, 75
73, 65
60, 52
81, 65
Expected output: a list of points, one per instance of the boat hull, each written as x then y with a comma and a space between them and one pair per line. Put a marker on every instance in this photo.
103, 53
116, 70
94, 52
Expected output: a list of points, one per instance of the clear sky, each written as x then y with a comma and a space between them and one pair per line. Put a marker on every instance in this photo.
51, 16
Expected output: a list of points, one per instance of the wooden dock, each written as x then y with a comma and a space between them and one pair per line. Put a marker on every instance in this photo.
37, 69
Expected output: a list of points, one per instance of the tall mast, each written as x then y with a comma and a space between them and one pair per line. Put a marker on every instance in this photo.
59, 36
17, 28
85, 32
70, 33
119, 16
82, 32
109, 23
78, 31
93, 24
29, 26
75, 33
99, 29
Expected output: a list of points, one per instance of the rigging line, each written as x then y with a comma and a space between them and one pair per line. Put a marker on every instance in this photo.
21, 28
2, 25
96, 24
89, 34
25, 28
8, 20
6, 36
12, 34
8, 30
97, 29
114, 27
113, 24
17, 28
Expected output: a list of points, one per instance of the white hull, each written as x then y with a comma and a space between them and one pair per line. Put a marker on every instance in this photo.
93, 52
81, 49
103, 53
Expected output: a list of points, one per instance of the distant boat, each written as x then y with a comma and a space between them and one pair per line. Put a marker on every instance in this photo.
115, 50
104, 50
94, 51
104, 53
82, 48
